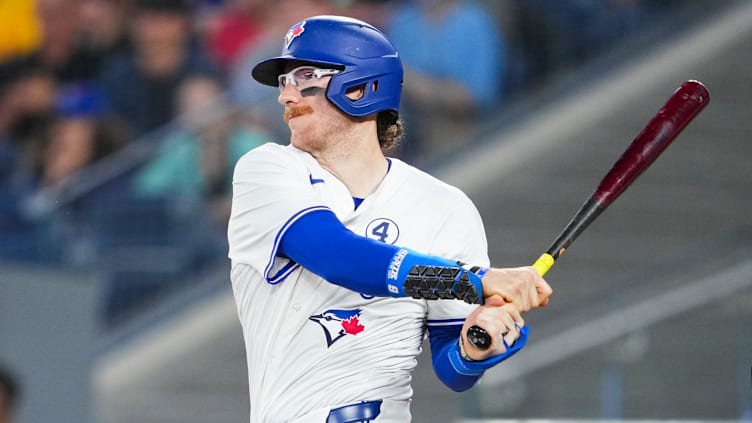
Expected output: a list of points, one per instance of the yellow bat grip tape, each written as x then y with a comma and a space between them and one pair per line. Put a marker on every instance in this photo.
544, 263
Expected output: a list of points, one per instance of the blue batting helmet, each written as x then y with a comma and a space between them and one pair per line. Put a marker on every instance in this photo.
363, 54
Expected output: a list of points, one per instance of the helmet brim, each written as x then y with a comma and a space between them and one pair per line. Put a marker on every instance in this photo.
268, 71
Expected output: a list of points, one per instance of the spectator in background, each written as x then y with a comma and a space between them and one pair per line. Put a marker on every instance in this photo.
68, 38
599, 24
198, 159
27, 97
234, 28
540, 47
453, 55
81, 134
141, 84
576, 30
519, 69
9, 395
103, 31
20, 29
26, 109
61, 52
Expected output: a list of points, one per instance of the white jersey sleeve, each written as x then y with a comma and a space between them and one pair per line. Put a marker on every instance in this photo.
271, 190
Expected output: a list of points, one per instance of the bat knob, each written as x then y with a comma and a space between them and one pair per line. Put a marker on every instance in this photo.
479, 338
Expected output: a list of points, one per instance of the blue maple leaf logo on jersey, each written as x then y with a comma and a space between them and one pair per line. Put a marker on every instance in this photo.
338, 323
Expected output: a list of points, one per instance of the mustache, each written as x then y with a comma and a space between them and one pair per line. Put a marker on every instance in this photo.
296, 111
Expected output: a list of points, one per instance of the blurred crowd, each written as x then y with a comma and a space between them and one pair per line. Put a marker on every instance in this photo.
82, 82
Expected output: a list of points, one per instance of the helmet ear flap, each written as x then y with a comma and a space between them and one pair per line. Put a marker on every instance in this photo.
381, 91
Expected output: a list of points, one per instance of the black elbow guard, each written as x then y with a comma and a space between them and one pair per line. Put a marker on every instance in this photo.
443, 282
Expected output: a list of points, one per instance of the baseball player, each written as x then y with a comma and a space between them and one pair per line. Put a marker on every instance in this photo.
344, 259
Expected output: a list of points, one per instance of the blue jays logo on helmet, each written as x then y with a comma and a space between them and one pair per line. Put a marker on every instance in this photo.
338, 323
293, 33
362, 53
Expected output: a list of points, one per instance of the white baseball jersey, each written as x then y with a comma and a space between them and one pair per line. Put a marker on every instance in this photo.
312, 345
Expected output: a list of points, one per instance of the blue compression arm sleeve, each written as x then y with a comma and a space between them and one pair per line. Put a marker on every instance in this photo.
443, 345
454, 371
319, 242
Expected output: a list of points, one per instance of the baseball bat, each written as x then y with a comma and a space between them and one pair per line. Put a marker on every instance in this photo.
683, 105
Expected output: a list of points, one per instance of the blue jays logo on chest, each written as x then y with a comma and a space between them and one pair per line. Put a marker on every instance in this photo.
338, 323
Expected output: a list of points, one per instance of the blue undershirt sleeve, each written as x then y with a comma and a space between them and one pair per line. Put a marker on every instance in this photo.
443, 340
319, 242
454, 371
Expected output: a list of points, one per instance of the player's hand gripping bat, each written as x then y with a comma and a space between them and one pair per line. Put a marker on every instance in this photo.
683, 105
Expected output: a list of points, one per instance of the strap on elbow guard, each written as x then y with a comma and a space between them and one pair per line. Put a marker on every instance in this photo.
443, 282
433, 278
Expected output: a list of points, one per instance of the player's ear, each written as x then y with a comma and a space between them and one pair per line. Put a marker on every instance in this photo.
356, 93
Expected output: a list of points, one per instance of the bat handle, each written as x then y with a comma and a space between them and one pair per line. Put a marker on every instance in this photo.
545, 262
477, 336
